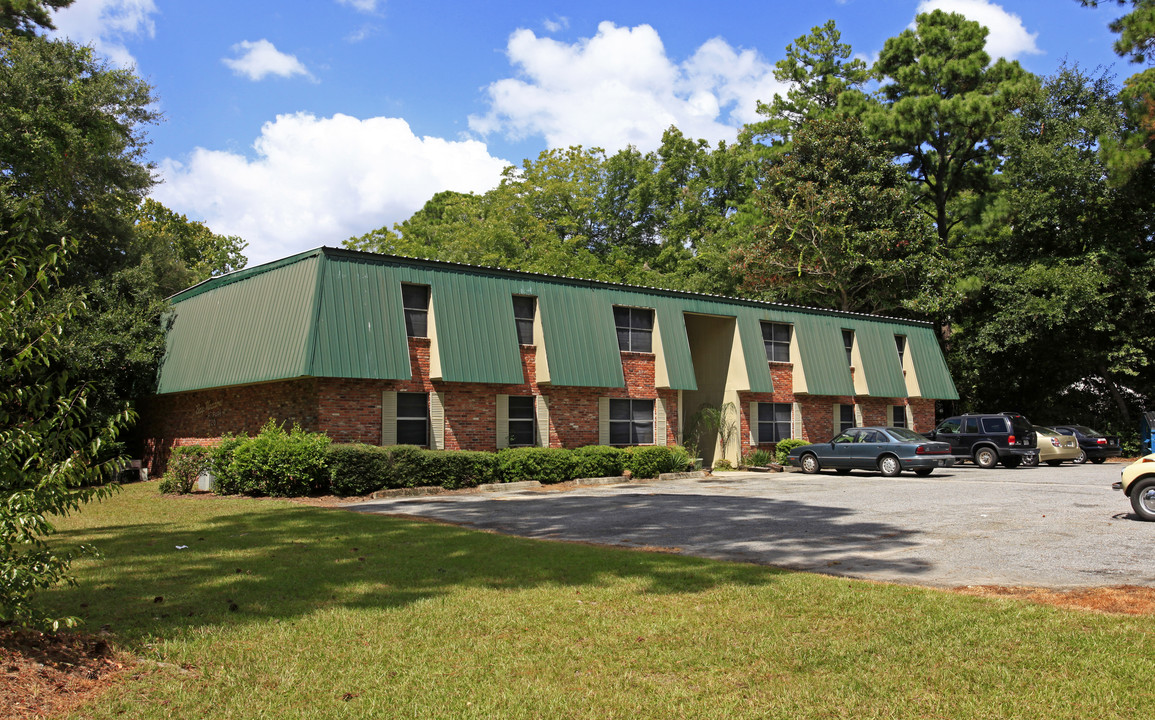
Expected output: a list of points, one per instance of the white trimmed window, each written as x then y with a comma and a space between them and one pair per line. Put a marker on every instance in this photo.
635, 327
522, 423
630, 422
776, 339
524, 309
844, 418
775, 422
898, 416
900, 345
848, 343
413, 419
415, 300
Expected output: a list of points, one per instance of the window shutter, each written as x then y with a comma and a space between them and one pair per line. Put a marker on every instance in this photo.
858, 414
837, 419
796, 425
890, 414
660, 422
502, 421
603, 421
389, 418
754, 424
542, 407
437, 421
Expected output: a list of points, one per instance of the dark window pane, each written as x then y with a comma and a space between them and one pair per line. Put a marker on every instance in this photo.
624, 339
899, 416
643, 433
848, 342
524, 332
417, 323
782, 412
619, 409
520, 433
643, 410
641, 319
412, 432
994, 425
782, 333
412, 405
970, 425
619, 433
765, 412
521, 408
641, 341
415, 297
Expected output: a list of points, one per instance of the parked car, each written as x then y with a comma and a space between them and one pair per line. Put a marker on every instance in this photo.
988, 439
1138, 483
889, 450
1096, 446
1055, 447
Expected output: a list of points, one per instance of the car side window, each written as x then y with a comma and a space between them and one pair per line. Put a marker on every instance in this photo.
950, 425
846, 437
994, 425
872, 436
970, 425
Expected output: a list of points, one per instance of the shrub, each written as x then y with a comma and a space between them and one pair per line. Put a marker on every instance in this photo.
358, 469
758, 458
546, 465
784, 447
649, 461
723, 464
227, 482
279, 463
408, 463
598, 461
184, 466
455, 469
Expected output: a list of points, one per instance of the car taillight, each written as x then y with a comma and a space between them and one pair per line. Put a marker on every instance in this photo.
1055, 442
1011, 439
1101, 441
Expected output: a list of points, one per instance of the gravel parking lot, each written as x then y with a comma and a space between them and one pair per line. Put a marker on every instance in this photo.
1045, 527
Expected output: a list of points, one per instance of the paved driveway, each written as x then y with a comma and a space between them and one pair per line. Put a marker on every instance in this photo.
1047, 527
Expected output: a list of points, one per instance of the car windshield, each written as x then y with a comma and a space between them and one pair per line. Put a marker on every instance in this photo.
1046, 430
1084, 429
905, 434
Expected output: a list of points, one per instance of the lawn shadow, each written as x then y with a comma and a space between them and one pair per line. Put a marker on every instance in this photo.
777, 532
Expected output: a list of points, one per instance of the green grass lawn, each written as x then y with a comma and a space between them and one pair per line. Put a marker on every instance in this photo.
277, 610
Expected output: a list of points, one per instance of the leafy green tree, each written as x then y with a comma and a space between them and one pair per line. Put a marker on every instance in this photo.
941, 101
1136, 42
24, 17
819, 68
840, 229
1061, 275
50, 446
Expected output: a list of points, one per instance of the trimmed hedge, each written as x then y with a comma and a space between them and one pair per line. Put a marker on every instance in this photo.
454, 469
784, 447
651, 461
546, 465
275, 462
598, 461
358, 469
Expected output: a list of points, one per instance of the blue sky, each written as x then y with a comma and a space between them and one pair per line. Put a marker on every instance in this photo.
299, 123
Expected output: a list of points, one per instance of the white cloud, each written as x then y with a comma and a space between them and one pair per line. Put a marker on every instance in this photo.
620, 88
365, 6
1008, 37
556, 24
318, 181
106, 25
260, 59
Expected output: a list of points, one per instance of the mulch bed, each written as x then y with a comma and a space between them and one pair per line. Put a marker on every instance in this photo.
44, 675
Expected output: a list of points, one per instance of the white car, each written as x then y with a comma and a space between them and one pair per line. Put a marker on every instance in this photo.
1138, 483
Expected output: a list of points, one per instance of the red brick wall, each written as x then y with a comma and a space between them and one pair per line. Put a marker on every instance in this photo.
349, 410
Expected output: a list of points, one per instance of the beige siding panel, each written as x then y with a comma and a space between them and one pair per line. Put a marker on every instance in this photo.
796, 421
388, 418
542, 407
753, 420
857, 414
660, 422
502, 421
437, 421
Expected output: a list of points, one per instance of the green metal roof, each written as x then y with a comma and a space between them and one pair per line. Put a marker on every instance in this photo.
337, 313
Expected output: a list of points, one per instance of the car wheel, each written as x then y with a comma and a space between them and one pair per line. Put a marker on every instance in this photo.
810, 464
1011, 463
842, 471
1031, 461
1099, 461
889, 465
1143, 498
923, 472
1054, 463
986, 457
1082, 457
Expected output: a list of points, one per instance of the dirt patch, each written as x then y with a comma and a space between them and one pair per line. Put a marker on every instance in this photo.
43, 675
1117, 600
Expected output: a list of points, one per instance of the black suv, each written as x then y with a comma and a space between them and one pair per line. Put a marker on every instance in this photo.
988, 439
1096, 446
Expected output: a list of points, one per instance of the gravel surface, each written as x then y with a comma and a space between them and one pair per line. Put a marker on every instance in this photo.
1044, 527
